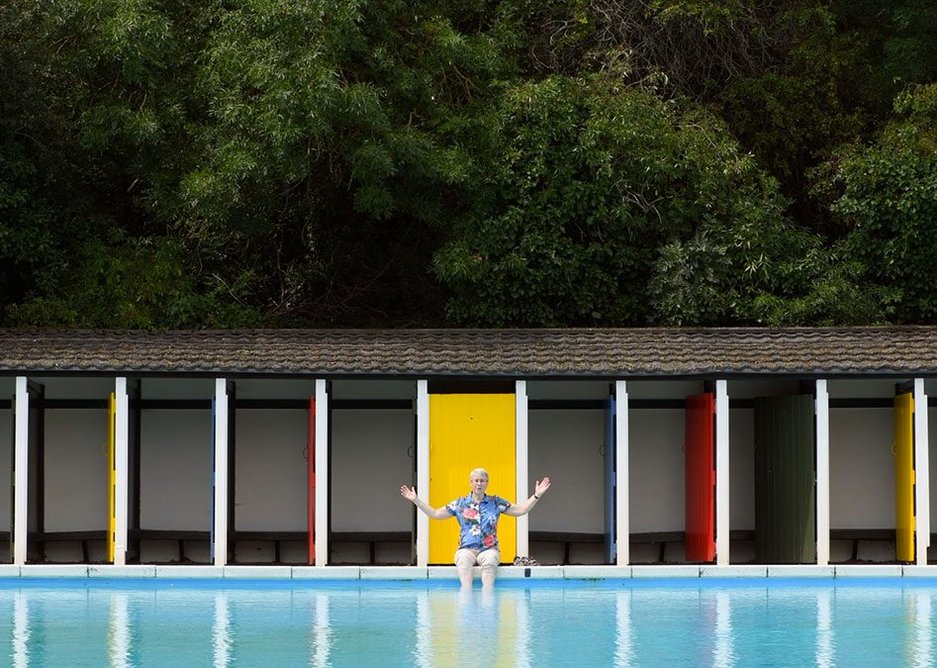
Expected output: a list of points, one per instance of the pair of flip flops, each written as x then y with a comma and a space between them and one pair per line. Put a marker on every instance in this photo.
525, 561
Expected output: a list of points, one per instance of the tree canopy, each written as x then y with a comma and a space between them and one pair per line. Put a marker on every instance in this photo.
350, 163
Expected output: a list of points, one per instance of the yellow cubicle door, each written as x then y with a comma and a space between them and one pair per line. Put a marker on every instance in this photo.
904, 477
468, 431
111, 475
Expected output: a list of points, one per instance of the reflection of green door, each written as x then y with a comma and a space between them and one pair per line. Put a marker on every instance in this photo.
785, 499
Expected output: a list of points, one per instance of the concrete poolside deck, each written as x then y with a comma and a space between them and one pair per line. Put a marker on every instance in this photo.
415, 573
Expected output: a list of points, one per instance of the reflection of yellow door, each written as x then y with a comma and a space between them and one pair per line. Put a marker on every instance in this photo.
490, 630
468, 431
904, 477
509, 647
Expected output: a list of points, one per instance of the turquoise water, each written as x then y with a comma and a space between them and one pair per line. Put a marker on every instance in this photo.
537, 624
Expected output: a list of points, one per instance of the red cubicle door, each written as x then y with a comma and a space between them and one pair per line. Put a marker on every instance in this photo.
700, 526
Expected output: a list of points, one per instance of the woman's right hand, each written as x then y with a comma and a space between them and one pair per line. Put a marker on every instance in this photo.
409, 493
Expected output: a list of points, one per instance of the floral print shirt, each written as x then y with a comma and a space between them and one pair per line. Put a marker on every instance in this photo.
478, 520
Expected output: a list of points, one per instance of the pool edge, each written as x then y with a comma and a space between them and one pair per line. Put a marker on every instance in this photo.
570, 572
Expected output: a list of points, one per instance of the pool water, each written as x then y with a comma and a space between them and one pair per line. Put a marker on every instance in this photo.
527, 623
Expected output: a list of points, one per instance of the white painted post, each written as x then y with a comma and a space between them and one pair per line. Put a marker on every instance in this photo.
622, 479
921, 472
322, 472
823, 472
422, 470
122, 473
523, 469
21, 462
722, 473
220, 519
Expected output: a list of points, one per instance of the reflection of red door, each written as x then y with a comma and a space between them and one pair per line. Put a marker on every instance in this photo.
700, 530
311, 468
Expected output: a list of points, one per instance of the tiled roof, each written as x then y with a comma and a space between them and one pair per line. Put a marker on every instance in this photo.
452, 352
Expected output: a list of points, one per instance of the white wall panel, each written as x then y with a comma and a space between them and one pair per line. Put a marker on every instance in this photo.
932, 445
76, 462
175, 460
741, 468
271, 470
567, 446
6, 447
371, 458
657, 469
862, 478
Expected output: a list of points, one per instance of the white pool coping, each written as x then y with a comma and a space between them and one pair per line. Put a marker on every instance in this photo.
415, 573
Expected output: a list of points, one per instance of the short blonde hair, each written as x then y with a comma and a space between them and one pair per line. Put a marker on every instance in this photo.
478, 472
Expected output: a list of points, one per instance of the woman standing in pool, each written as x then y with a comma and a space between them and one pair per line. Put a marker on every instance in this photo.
477, 513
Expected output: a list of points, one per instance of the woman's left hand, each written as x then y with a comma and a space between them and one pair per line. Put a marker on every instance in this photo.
542, 486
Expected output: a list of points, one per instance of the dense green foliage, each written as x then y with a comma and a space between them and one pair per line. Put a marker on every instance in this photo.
234, 163
889, 199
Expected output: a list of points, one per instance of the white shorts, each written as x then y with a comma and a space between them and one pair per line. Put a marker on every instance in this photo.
488, 559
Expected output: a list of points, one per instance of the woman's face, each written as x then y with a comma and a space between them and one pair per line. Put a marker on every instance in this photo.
479, 484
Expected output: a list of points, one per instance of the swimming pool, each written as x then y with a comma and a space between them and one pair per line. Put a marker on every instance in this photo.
539, 624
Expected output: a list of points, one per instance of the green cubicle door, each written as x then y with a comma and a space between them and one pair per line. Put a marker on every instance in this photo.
785, 499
